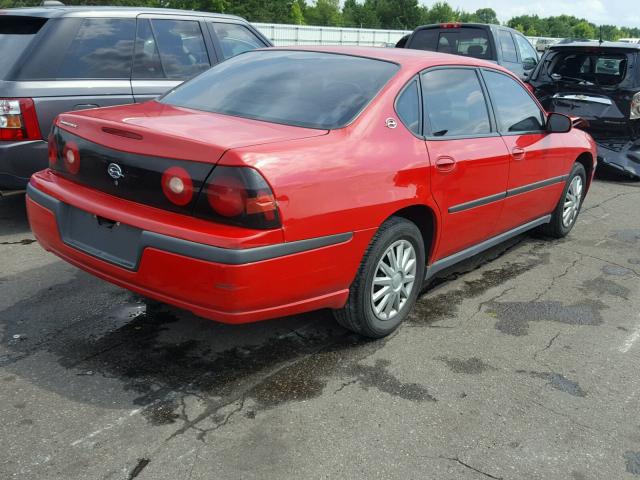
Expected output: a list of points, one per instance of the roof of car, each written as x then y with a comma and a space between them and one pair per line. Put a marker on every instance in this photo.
596, 44
404, 56
463, 24
64, 11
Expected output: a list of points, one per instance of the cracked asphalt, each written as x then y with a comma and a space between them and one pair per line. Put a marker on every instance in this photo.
520, 364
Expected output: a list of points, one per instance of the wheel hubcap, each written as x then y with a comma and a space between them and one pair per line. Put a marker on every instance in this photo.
394, 280
572, 202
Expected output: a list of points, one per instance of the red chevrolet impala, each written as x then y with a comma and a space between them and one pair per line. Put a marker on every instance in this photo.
288, 180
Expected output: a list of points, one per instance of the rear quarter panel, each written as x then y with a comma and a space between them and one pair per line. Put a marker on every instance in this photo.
349, 180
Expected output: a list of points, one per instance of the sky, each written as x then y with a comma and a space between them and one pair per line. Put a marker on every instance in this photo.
611, 12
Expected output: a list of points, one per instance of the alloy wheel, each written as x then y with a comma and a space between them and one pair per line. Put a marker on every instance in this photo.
394, 280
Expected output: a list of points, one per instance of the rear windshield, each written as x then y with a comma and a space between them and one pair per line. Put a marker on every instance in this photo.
467, 41
307, 89
590, 68
16, 33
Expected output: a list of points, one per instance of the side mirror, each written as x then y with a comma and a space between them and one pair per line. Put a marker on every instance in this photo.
558, 123
529, 64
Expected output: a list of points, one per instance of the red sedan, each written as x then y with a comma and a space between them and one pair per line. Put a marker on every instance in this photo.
288, 180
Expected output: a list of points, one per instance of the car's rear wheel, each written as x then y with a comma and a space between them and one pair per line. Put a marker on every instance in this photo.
566, 213
388, 281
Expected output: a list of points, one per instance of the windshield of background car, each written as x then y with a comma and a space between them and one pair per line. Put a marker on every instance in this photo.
597, 68
306, 89
16, 33
467, 41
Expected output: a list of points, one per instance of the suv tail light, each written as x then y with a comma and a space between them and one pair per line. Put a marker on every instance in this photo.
18, 119
635, 107
239, 196
451, 25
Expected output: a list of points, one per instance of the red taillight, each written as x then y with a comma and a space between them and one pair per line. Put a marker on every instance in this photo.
240, 196
177, 186
71, 157
18, 119
227, 196
451, 25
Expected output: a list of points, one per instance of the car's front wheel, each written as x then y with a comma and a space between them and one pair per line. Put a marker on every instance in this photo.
566, 213
388, 281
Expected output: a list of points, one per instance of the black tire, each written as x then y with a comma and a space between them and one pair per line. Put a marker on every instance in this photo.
556, 227
358, 314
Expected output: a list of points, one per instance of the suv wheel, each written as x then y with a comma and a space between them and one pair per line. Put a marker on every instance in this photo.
566, 213
388, 281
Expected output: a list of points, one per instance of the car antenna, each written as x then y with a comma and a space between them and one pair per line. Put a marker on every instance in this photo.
600, 34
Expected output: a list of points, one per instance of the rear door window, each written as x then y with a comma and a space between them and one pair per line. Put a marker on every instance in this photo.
526, 49
516, 111
454, 103
508, 46
102, 49
179, 46
16, 34
235, 39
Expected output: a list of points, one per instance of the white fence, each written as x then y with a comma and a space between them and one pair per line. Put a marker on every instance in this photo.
305, 35
282, 35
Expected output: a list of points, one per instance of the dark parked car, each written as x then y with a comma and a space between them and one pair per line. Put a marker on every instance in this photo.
57, 59
503, 45
601, 84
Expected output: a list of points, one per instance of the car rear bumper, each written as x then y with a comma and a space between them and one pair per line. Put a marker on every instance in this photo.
231, 285
19, 160
625, 158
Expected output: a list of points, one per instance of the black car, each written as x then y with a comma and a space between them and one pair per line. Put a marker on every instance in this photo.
503, 45
599, 82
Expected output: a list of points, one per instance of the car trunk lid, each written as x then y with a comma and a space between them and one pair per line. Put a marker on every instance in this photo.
125, 151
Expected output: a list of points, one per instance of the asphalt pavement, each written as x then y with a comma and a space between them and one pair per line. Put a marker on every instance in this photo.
521, 364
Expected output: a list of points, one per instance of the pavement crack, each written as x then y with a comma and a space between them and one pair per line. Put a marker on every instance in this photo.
470, 467
610, 199
344, 385
555, 279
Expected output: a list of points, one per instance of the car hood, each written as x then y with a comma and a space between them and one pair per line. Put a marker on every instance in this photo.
156, 129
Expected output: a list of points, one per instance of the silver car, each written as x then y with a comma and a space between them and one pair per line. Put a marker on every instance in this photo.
57, 59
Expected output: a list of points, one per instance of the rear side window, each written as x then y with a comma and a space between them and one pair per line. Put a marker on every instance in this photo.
454, 103
515, 109
16, 33
507, 46
235, 39
408, 107
102, 49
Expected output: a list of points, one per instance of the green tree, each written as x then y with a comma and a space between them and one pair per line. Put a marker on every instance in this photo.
441, 12
584, 30
487, 15
324, 12
398, 14
297, 17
